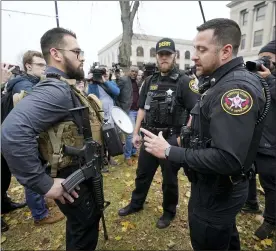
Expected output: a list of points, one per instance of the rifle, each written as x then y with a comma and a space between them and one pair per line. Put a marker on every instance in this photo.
91, 154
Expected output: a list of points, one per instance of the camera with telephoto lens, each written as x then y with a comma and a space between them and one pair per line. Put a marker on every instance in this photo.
256, 65
115, 67
149, 69
98, 73
190, 70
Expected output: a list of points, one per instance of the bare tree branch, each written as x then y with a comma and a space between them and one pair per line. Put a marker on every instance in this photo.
134, 10
131, 5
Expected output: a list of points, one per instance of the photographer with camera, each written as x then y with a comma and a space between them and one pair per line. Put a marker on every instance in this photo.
115, 72
265, 161
106, 90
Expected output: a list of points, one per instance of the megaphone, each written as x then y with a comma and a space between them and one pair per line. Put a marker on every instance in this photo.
111, 129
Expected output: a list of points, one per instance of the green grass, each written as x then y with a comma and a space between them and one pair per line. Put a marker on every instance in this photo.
134, 232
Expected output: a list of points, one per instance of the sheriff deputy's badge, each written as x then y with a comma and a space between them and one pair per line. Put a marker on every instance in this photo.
193, 85
236, 102
169, 92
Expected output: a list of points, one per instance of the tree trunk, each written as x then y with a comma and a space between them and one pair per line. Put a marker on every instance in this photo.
127, 16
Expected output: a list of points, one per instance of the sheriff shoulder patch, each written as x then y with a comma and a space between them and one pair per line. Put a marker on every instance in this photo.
236, 102
193, 85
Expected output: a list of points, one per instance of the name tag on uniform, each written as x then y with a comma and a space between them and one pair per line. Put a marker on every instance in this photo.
153, 87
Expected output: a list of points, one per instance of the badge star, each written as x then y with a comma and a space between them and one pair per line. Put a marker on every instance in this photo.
236, 101
169, 92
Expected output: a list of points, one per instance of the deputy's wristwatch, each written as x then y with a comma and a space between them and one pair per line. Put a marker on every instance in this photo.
167, 151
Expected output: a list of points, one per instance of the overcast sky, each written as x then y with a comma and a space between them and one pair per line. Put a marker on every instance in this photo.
96, 23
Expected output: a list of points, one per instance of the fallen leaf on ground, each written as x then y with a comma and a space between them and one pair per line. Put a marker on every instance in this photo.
3, 239
255, 238
256, 247
259, 218
129, 183
28, 214
267, 242
127, 225
38, 230
171, 244
123, 203
127, 175
239, 228
14, 189
160, 209
117, 238
158, 180
188, 194
182, 178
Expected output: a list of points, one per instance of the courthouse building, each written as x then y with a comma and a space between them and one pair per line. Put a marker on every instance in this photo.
257, 22
143, 51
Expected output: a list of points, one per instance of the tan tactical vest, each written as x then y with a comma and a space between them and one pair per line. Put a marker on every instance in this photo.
66, 133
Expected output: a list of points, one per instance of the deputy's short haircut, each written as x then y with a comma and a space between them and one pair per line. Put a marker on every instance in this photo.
226, 31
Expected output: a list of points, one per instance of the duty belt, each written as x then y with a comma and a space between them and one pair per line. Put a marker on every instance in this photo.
167, 131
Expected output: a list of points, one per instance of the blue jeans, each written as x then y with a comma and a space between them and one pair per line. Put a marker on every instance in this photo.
129, 148
36, 204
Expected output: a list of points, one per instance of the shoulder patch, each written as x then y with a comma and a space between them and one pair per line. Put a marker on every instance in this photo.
236, 102
193, 85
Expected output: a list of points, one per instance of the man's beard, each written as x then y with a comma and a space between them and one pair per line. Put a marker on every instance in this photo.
73, 73
167, 70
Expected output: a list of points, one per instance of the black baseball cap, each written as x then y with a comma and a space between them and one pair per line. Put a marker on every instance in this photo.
165, 44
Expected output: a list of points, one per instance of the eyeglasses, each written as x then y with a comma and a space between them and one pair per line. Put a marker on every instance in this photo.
79, 53
40, 64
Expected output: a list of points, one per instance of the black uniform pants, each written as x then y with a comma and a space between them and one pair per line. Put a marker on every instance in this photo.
82, 225
266, 168
5, 177
147, 166
252, 192
212, 214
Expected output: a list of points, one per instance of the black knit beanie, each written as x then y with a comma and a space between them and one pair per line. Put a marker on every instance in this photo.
270, 47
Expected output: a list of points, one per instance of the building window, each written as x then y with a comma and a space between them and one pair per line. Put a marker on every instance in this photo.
187, 66
244, 17
140, 51
177, 54
152, 53
258, 38
187, 55
260, 12
274, 33
243, 41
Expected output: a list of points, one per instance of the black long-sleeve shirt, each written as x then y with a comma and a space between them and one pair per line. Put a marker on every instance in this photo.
47, 105
229, 112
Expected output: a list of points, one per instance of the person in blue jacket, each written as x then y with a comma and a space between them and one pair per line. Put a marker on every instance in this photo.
106, 90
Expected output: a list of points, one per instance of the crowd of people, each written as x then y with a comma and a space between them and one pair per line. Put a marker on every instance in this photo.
217, 123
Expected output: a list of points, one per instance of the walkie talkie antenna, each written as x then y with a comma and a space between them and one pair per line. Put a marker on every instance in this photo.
202, 13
